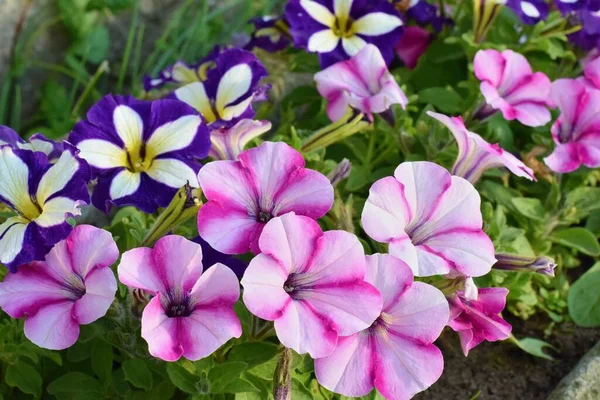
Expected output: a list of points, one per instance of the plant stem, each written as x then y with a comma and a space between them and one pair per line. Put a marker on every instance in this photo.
88, 88
128, 47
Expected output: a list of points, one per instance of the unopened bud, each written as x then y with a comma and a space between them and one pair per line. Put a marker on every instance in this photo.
512, 262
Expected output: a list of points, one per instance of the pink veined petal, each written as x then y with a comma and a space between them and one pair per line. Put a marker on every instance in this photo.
390, 275
351, 307
91, 247
386, 212
493, 300
404, 250
58, 263
515, 69
564, 158
592, 72
515, 165
337, 105
468, 340
589, 151
412, 45
227, 183
489, 66
307, 192
177, 261
566, 94
53, 327
228, 230
404, 368
349, 370
24, 293
161, 332
263, 283
389, 94
533, 88
338, 257
269, 167
135, 270
588, 118
532, 114
494, 99
100, 289
207, 329
303, 330
291, 239
458, 130
339, 78
218, 286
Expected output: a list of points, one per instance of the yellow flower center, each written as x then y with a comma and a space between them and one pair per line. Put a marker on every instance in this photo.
343, 27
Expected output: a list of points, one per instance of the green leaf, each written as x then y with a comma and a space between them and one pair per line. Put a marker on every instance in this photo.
584, 298
579, 239
299, 391
253, 353
75, 385
531, 208
238, 385
138, 374
223, 374
102, 360
533, 346
24, 377
182, 378
444, 99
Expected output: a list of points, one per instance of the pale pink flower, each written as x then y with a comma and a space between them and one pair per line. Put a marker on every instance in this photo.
412, 45
475, 315
73, 286
431, 220
509, 85
362, 82
475, 155
311, 283
577, 131
395, 354
267, 181
191, 313
591, 73
229, 142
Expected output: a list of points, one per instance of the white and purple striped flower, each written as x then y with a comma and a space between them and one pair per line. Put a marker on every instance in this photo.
396, 353
141, 152
530, 11
362, 82
475, 155
37, 142
73, 286
229, 142
227, 94
271, 34
431, 220
339, 29
509, 85
182, 73
43, 196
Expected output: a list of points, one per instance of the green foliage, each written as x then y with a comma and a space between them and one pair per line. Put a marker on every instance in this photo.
584, 298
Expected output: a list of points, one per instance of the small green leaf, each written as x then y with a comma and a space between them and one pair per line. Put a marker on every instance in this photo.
579, 239
239, 385
533, 346
584, 298
253, 353
102, 359
223, 374
531, 208
75, 385
137, 373
24, 377
299, 391
444, 99
182, 378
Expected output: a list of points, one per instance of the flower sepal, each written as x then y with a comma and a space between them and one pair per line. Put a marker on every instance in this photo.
350, 124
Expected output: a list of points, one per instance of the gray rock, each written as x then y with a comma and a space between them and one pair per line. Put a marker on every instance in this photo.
583, 382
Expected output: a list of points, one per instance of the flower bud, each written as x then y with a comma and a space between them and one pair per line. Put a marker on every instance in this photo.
512, 262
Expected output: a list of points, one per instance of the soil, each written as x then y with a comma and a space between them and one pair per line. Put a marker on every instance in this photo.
501, 371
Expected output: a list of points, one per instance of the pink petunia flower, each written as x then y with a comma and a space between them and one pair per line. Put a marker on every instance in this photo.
72, 287
395, 354
474, 315
475, 155
362, 82
191, 313
591, 73
577, 131
412, 45
266, 181
229, 142
431, 220
311, 283
509, 85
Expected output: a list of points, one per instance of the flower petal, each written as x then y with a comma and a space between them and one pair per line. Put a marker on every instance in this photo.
124, 184
53, 327
233, 85
12, 236
178, 262
318, 12
386, 212
353, 45
90, 248
174, 135
323, 41
135, 270
102, 154
161, 332
265, 275
195, 95
100, 289
376, 24
173, 173
129, 126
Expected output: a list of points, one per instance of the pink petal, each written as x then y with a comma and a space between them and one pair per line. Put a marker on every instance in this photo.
412, 45
218, 286
161, 332
263, 283
227, 229
592, 72
228, 184
53, 327
91, 247
307, 192
404, 368
386, 212
564, 158
178, 262
489, 66
493, 300
303, 330
566, 95
390, 275
135, 270
337, 105
589, 151
100, 289
515, 69
338, 257
349, 370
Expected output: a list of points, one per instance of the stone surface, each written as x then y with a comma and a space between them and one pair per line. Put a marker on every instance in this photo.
583, 382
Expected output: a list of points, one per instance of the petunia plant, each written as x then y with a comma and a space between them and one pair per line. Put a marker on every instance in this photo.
324, 202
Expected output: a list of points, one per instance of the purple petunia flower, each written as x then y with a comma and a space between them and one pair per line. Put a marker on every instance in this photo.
270, 33
338, 29
43, 196
141, 152
183, 73
211, 257
37, 142
226, 96
530, 11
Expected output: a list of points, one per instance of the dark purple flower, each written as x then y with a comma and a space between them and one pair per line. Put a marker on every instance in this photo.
142, 152
339, 29
43, 196
270, 33
530, 11
568, 6
37, 142
226, 96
